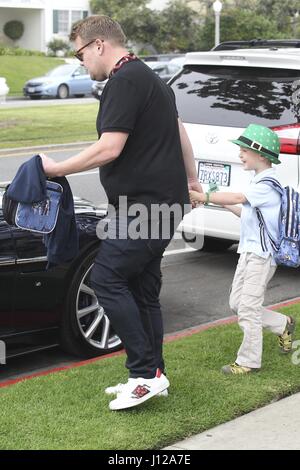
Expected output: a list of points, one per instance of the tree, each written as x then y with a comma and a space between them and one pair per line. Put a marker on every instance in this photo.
239, 24
282, 11
179, 28
139, 22
174, 28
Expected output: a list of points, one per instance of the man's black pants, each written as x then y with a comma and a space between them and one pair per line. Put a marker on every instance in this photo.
126, 278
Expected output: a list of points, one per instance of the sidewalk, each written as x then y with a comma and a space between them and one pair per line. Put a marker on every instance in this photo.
273, 427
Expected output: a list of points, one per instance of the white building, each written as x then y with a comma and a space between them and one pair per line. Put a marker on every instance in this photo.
43, 19
158, 4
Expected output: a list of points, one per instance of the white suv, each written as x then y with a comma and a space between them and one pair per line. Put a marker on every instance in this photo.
218, 94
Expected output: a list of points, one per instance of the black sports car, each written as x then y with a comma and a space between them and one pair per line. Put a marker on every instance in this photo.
42, 308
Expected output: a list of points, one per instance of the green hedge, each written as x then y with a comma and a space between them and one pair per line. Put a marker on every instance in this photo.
18, 51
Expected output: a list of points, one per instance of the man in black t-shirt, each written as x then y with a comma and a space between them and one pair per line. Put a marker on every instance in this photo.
146, 165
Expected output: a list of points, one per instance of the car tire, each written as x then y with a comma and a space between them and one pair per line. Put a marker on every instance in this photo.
85, 329
63, 92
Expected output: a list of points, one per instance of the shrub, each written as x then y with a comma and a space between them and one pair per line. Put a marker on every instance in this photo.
6, 50
57, 44
14, 29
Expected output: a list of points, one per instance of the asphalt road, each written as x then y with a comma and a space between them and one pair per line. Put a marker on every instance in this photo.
84, 184
196, 284
27, 102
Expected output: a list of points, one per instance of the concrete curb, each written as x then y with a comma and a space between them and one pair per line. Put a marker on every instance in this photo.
39, 148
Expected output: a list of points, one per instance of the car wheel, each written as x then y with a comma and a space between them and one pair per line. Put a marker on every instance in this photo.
86, 330
63, 92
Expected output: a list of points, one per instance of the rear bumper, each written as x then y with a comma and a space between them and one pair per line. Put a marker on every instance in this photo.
211, 221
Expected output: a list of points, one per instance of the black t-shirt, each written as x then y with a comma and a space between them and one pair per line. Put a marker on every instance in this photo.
150, 169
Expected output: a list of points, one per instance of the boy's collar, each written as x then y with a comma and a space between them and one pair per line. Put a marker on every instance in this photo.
262, 174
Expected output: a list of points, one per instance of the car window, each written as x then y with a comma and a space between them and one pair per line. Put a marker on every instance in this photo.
160, 69
234, 96
173, 68
82, 70
61, 70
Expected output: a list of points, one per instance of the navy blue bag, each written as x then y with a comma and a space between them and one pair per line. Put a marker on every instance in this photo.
41, 216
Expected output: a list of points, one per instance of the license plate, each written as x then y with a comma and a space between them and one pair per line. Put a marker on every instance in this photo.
218, 173
31, 90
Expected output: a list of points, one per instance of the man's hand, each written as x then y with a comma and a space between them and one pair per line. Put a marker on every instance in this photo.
194, 185
196, 198
49, 165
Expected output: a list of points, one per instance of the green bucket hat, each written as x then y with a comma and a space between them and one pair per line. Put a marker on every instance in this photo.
262, 140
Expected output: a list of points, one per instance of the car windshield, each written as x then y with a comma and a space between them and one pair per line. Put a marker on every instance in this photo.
228, 96
60, 70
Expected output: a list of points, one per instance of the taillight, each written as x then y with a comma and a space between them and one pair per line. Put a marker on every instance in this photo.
289, 137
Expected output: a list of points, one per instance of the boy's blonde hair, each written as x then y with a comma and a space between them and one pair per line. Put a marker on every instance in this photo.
98, 26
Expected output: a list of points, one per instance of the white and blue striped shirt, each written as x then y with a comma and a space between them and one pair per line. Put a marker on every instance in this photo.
253, 238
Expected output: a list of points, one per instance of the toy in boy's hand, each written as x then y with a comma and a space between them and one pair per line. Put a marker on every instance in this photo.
213, 187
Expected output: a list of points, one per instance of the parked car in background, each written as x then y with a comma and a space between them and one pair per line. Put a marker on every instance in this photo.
42, 308
166, 70
97, 88
219, 93
161, 57
61, 82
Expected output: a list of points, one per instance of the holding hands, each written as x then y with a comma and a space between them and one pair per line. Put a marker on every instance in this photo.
196, 198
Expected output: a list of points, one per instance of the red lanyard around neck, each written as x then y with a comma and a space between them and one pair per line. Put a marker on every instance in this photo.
127, 58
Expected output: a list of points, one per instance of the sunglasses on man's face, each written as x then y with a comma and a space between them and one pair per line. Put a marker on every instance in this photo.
79, 54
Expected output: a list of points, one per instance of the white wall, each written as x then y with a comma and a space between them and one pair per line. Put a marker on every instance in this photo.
20, 4
81, 5
32, 20
37, 18
67, 4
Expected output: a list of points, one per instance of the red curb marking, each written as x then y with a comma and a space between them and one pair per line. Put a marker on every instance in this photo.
168, 339
287, 303
59, 369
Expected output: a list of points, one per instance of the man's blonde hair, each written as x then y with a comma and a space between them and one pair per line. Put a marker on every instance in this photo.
98, 26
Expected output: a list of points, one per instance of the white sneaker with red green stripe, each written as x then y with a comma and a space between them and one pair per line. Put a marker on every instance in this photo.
117, 389
139, 390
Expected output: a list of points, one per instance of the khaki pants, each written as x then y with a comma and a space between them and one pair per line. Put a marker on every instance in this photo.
247, 295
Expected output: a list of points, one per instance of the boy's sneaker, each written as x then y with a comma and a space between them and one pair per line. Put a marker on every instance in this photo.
117, 389
285, 340
139, 390
235, 369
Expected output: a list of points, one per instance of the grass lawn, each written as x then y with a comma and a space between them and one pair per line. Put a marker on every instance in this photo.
41, 125
18, 69
68, 410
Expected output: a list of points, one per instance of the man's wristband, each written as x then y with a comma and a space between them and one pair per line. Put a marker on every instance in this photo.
207, 198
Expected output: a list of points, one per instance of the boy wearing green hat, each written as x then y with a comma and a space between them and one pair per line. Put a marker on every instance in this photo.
259, 148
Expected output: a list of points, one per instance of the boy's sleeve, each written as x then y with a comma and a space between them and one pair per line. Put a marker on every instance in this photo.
258, 194
120, 108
